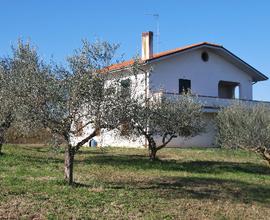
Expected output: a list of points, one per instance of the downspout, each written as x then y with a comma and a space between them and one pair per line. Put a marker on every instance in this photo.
146, 86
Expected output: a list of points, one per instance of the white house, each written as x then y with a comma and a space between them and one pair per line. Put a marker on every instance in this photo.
217, 76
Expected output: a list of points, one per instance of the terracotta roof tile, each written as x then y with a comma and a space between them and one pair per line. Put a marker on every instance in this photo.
169, 52
159, 55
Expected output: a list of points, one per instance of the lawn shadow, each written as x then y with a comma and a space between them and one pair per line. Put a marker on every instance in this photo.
141, 162
198, 166
201, 188
42, 160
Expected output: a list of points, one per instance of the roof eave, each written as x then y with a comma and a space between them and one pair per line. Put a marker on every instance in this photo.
257, 75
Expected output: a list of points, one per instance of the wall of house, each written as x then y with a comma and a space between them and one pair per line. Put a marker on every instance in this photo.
204, 76
205, 139
114, 138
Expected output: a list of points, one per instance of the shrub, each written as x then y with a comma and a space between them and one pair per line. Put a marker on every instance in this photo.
245, 127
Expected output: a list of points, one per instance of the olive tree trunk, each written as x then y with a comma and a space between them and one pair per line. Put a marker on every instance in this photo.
153, 148
152, 154
69, 163
70, 152
1, 142
266, 154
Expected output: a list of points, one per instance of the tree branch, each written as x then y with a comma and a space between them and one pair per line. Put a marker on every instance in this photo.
85, 140
164, 143
266, 154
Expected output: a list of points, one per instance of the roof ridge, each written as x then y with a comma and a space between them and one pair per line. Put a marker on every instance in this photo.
161, 54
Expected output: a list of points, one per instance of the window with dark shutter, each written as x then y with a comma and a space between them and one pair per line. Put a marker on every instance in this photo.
125, 88
184, 85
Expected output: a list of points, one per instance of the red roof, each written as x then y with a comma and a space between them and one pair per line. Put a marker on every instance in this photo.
159, 55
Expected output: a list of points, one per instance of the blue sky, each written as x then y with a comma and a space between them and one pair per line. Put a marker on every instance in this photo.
57, 27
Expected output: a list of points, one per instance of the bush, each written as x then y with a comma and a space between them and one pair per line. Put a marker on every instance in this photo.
246, 127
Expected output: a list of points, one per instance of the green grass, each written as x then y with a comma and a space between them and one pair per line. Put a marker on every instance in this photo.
123, 184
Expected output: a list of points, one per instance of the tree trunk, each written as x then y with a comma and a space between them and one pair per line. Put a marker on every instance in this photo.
69, 161
85, 140
152, 148
152, 154
266, 155
1, 142
70, 153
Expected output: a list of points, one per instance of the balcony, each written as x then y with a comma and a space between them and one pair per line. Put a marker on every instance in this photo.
211, 103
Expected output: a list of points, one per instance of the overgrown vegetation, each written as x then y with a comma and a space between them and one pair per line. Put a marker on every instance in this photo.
119, 183
246, 127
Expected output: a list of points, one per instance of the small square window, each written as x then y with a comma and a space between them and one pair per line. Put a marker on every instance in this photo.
184, 85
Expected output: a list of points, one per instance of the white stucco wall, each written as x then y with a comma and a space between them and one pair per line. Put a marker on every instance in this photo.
113, 138
204, 139
204, 76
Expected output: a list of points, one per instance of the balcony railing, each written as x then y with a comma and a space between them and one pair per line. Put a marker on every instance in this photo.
211, 103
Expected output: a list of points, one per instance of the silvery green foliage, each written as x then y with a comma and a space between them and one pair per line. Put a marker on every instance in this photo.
22, 86
81, 95
246, 127
168, 118
181, 116
92, 57
6, 115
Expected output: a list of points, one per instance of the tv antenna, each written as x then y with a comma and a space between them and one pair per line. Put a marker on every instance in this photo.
156, 17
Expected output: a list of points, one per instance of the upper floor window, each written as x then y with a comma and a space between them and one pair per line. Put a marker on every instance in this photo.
184, 85
125, 87
205, 56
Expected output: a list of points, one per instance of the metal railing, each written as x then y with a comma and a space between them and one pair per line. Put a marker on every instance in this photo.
211, 103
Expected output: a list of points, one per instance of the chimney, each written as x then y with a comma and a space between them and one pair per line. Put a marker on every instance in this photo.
147, 45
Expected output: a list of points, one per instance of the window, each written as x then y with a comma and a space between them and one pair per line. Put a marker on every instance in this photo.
125, 87
205, 56
184, 85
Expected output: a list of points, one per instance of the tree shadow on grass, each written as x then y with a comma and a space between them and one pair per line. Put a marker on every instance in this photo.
42, 160
143, 163
201, 188
178, 187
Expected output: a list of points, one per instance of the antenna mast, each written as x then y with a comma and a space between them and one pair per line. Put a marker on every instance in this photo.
156, 17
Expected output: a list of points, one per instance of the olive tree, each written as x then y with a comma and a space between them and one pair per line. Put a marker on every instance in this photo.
164, 118
245, 127
81, 97
6, 99
22, 76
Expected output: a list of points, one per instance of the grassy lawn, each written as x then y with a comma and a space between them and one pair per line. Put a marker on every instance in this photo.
123, 184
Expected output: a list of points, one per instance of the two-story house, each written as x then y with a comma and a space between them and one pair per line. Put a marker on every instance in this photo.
217, 76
